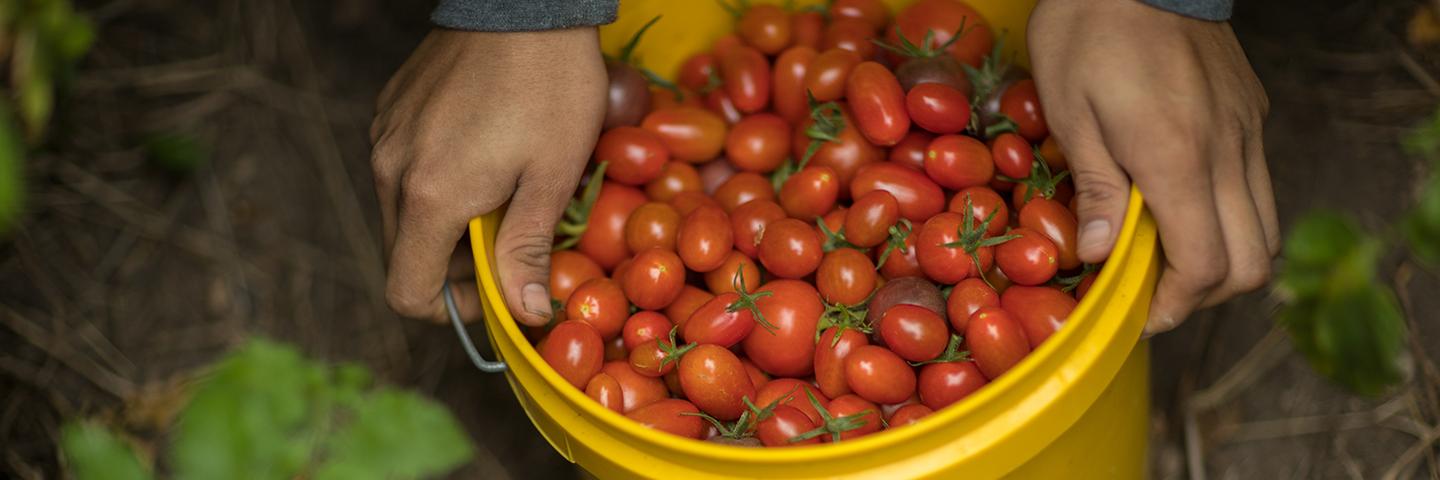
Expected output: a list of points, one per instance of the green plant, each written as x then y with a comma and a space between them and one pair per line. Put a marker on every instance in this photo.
266, 412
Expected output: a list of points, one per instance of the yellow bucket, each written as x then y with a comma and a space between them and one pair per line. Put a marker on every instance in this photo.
1077, 407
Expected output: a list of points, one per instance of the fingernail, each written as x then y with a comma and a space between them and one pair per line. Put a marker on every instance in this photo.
1157, 326
537, 300
1094, 235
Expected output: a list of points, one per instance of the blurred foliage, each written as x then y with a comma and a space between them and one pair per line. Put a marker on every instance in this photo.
265, 412
12, 194
175, 152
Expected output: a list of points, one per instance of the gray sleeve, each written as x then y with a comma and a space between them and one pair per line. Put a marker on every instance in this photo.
1215, 10
522, 15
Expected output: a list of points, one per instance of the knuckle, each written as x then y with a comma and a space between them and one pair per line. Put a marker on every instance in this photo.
1208, 276
1253, 277
408, 304
421, 191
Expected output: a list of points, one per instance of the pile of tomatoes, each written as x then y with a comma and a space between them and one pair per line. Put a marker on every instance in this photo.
834, 223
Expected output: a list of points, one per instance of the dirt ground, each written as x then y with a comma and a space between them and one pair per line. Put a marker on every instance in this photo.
125, 279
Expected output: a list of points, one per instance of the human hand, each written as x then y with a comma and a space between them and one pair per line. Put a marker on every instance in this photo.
1134, 93
471, 121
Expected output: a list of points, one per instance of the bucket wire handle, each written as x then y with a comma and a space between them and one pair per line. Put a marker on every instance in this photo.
480, 362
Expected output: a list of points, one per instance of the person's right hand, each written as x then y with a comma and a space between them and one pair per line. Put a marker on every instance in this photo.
471, 121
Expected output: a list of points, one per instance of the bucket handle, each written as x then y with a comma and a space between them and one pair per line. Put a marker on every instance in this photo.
480, 362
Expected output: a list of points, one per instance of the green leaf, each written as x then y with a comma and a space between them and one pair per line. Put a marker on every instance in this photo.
12, 182
93, 453
1422, 225
396, 435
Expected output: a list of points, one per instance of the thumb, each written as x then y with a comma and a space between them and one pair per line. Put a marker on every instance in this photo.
522, 246
1102, 193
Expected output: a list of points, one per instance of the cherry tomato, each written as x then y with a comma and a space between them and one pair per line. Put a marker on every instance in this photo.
846, 155
652, 225
869, 219
850, 34
669, 416
948, 265
810, 192
662, 98
606, 391
654, 279
1028, 260
705, 239
879, 375
878, 102
910, 151
1041, 311
938, 108
909, 414
724, 44
715, 173
958, 162
852, 405
942, 18
742, 188
636, 156
720, 102
574, 349
845, 277
788, 85
918, 196
672, 383
1057, 223
627, 96
996, 341
942, 70
765, 27
569, 269
686, 303
615, 349
722, 280
913, 332
830, 356
1021, 103
759, 143
714, 323
789, 248
1012, 154
827, 74
983, 201
691, 134
791, 393
969, 295
746, 76
757, 376
748, 221
998, 280
604, 237
784, 424
834, 220
1084, 287
618, 273
600, 303
942, 384
794, 308
696, 71
872, 12
649, 358
901, 262
1054, 156
644, 326
807, 29
675, 177
715, 381
687, 202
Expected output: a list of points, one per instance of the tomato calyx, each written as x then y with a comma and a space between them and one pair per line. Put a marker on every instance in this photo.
672, 352
747, 301
1003, 124
743, 427
1041, 180
1068, 284
840, 317
712, 82
989, 76
952, 353
627, 52
833, 240
972, 238
577, 213
829, 122
925, 48
760, 414
831, 425
895, 241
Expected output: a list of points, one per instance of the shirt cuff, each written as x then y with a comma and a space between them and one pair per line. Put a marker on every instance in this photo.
1213, 10
522, 15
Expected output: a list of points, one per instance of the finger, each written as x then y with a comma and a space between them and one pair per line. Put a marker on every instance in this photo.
425, 237
1257, 176
1249, 258
522, 246
1102, 189
385, 173
467, 300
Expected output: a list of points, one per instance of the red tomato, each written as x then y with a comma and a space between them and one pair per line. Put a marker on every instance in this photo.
830, 358
720, 102
644, 326
743, 187
606, 391
691, 134
705, 239
845, 277
574, 349
791, 392
942, 18
569, 269
615, 349
675, 177
714, 379
948, 265
969, 295
958, 162
784, 424
1012, 154
687, 202
788, 85
810, 192
869, 219
910, 151
600, 303
919, 198
850, 34
636, 156
913, 332
942, 384
653, 224
983, 201
878, 102
604, 237
696, 71
1028, 260
996, 341
794, 308
1054, 156
909, 414
714, 323
872, 12
1084, 287
1041, 311
1057, 223
652, 358
746, 76
759, 143
686, 303
669, 416
846, 155
879, 375
833, 220
938, 108
638, 390
722, 280
807, 29
827, 74
757, 376
1021, 103
765, 27
748, 221
654, 279
715, 173
662, 98
901, 262
852, 405
1064, 195
724, 44
789, 248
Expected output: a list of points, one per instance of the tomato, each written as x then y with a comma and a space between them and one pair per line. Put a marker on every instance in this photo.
996, 341
983, 201
938, 108
1021, 102
638, 390
784, 424
826, 77
869, 219
1041, 311
724, 44
900, 262
846, 156
1012, 154
649, 358
810, 192
942, 384
600, 303
636, 156
909, 414
850, 34
942, 18
604, 237
675, 177
696, 71
687, 202
672, 384
918, 196
746, 76
662, 98
1057, 223
913, 332
878, 103
969, 295
723, 279
830, 357
789, 248
715, 173
998, 280
791, 393
686, 303
654, 279
742, 188
719, 321
943, 70
669, 416
788, 86
606, 391
757, 376
574, 349
865, 411
872, 12
1028, 260
833, 220
705, 239
691, 134
720, 102
879, 375
1054, 156
758, 143
627, 95
652, 225
1084, 287
715, 381
1064, 195
615, 349
748, 221
948, 265
910, 151
794, 308
845, 277
569, 269
644, 326
619, 272
958, 162
765, 27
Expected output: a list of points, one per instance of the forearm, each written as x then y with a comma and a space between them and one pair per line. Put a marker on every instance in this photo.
522, 15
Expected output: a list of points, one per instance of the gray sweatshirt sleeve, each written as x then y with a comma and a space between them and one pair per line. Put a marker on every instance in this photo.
522, 15
1215, 10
